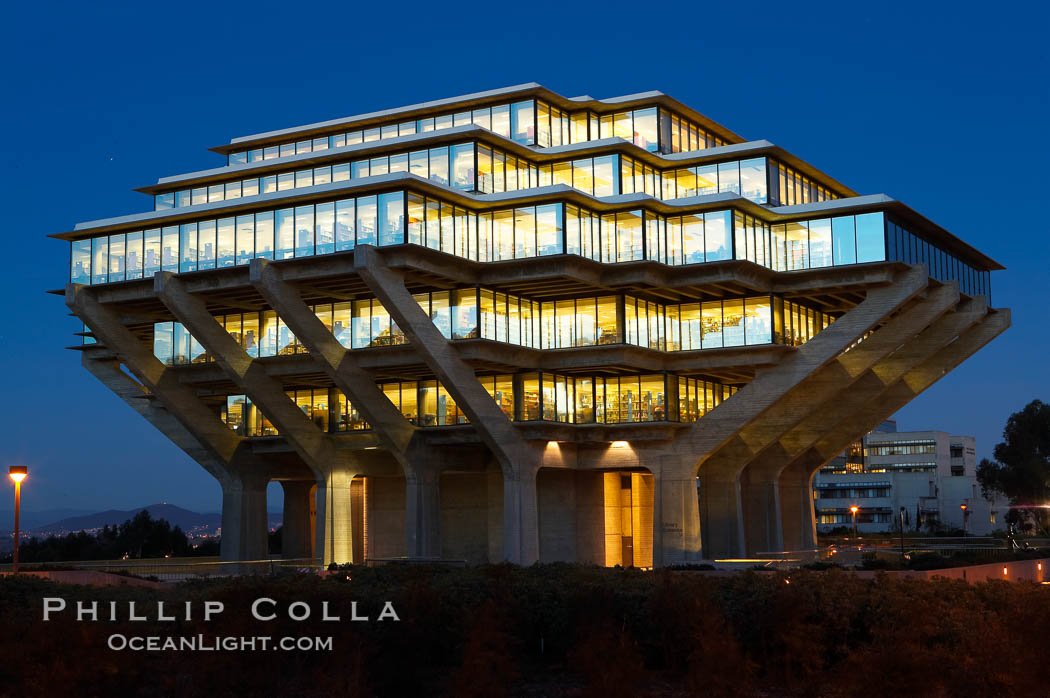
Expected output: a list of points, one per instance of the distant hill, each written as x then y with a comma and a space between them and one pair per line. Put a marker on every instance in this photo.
189, 521
29, 519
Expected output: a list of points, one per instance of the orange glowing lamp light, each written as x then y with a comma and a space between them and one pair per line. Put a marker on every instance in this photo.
17, 474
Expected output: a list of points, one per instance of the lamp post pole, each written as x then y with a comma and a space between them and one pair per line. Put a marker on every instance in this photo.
853, 510
17, 473
902, 535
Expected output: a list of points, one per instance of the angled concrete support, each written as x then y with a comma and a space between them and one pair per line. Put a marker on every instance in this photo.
735, 431
313, 445
798, 474
161, 381
150, 407
186, 420
334, 470
760, 479
395, 432
296, 530
518, 459
495, 429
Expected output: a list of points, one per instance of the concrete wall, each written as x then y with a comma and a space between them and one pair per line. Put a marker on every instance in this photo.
590, 517
464, 517
556, 499
386, 517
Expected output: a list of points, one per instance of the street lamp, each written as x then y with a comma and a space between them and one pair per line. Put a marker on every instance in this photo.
853, 510
965, 516
17, 473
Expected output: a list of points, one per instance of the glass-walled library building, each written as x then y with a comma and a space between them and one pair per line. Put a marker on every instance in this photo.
617, 291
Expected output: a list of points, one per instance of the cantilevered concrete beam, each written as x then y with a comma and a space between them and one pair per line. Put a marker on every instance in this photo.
333, 469
796, 479
518, 459
721, 509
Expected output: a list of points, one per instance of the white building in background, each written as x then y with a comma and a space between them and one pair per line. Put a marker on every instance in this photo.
932, 474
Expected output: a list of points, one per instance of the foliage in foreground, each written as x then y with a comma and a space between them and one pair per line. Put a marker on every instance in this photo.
555, 630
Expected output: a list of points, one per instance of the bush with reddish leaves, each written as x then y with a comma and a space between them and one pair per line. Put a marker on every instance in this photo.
551, 630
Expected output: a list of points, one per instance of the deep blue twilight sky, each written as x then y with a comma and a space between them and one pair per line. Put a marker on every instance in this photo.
944, 109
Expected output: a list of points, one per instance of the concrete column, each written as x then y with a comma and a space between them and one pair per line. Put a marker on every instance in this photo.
760, 497
521, 537
335, 536
244, 521
722, 520
676, 521
422, 512
296, 541
494, 497
796, 506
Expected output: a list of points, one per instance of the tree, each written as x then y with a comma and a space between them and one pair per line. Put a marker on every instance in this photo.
1021, 469
139, 537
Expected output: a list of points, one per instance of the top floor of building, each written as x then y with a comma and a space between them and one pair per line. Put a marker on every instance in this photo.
528, 114
513, 138
644, 157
